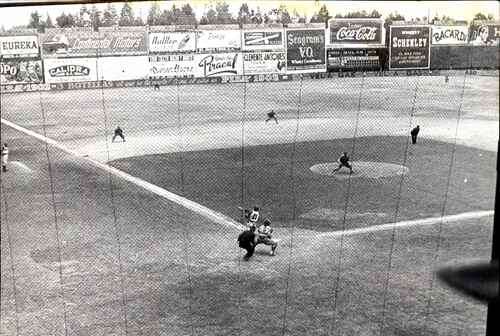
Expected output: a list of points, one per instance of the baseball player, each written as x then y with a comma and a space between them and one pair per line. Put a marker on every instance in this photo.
343, 162
271, 115
265, 235
414, 134
5, 157
253, 217
247, 240
118, 133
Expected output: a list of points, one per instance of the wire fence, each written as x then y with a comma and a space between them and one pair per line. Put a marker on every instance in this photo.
164, 270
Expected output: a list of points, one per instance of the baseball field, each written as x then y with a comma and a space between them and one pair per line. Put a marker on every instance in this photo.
139, 237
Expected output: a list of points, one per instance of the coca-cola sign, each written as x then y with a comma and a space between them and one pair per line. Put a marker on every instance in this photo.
356, 31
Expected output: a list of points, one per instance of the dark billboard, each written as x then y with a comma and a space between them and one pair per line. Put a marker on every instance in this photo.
409, 47
305, 50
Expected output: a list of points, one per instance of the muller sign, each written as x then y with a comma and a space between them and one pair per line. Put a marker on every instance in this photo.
356, 32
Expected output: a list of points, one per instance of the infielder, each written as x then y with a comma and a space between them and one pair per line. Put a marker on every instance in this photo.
271, 115
414, 134
118, 133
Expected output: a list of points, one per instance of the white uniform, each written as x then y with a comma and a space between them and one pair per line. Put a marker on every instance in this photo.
264, 232
253, 217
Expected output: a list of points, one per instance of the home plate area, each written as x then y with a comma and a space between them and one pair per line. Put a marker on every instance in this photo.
365, 169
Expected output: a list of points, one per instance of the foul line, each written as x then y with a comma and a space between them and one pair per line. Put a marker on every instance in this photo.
198, 208
224, 220
410, 223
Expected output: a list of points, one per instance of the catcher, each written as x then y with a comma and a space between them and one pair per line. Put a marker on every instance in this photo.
264, 235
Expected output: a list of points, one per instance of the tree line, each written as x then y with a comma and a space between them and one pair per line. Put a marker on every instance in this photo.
109, 17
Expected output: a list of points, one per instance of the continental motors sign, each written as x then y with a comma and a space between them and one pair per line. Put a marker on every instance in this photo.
356, 31
446, 35
105, 43
19, 46
409, 47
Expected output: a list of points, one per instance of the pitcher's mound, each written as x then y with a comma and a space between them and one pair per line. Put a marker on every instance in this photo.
360, 169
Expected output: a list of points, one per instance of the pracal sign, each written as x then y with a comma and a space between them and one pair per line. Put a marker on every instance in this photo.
11, 46
219, 64
356, 31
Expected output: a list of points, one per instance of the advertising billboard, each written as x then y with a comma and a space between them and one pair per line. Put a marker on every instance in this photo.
262, 39
485, 35
354, 59
172, 41
409, 47
262, 62
122, 68
223, 39
218, 64
305, 50
356, 32
447, 35
90, 43
18, 71
19, 46
167, 66
60, 70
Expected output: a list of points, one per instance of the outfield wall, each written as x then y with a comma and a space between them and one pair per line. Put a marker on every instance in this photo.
158, 54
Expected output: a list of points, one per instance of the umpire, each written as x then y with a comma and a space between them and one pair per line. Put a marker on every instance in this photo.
246, 241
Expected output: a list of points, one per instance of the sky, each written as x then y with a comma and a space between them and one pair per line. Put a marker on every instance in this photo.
459, 10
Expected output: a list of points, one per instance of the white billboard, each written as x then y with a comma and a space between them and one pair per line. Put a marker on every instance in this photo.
179, 65
261, 39
61, 70
24, 46
172, 41
218, 64
445, 35
261, 63
210, 39
122, 68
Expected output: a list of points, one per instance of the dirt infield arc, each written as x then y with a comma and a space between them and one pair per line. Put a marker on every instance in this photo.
365, 169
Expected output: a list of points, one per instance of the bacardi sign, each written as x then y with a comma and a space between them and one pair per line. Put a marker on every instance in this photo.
356, 31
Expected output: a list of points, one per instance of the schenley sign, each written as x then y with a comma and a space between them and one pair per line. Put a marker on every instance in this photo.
408, 42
